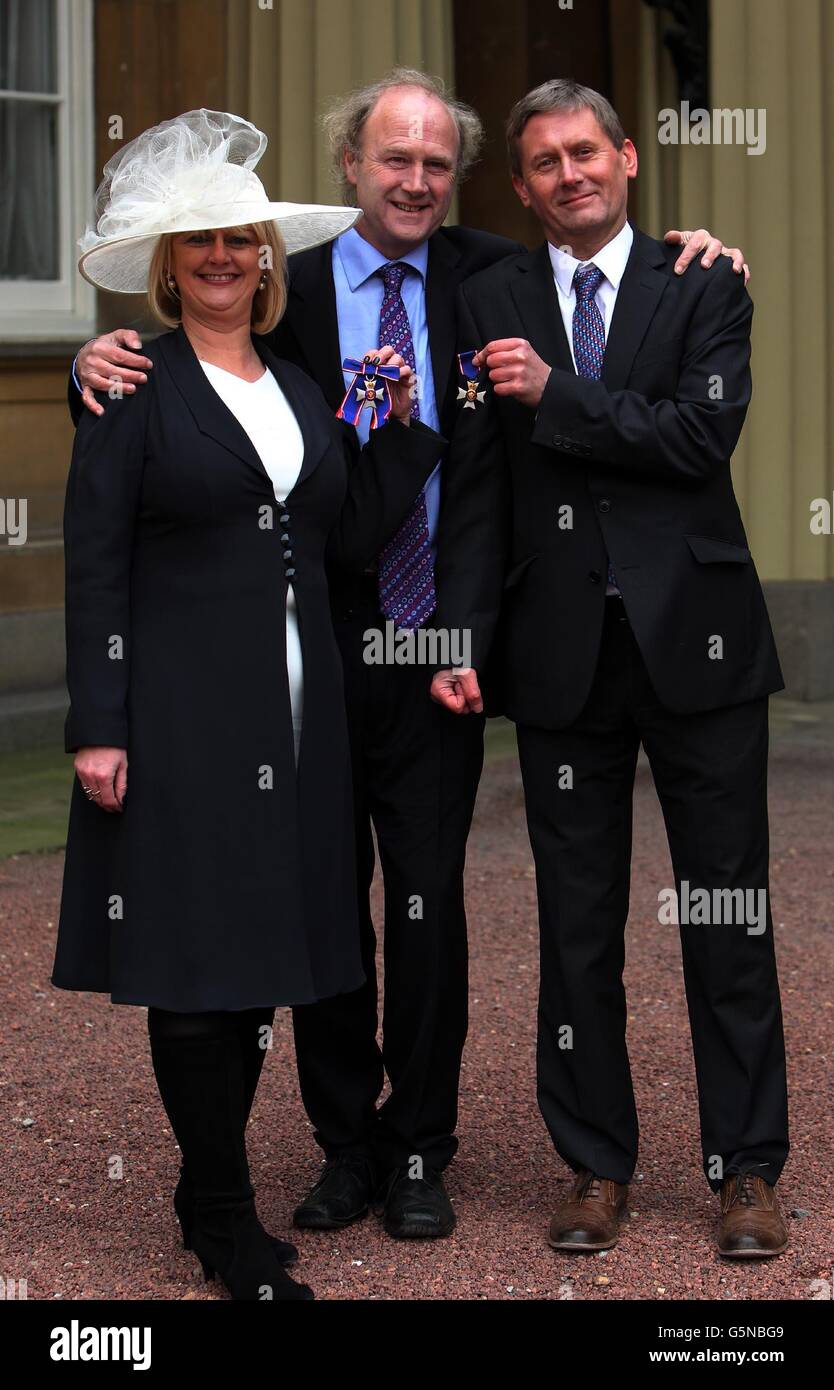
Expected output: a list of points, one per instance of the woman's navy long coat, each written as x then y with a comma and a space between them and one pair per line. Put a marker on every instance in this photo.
228, 879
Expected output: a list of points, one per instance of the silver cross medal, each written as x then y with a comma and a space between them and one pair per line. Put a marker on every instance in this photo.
369, 391
471, 394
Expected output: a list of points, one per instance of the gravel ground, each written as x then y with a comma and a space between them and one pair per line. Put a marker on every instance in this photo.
79, 1100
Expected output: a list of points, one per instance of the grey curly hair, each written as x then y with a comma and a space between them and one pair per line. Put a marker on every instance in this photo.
345, 118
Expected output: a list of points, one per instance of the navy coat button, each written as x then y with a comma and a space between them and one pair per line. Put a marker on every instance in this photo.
284, 518
289, 572
285, 537
287, 555
604, 505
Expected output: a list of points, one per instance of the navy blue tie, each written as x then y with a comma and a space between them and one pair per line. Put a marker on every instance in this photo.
589, 336
406, 571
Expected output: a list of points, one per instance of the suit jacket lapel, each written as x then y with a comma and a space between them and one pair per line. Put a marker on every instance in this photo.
211, 415
441, 292
534, 292
644, 280
311, 314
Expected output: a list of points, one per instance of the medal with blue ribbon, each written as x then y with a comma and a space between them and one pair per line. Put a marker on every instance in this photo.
365, 391
470, 395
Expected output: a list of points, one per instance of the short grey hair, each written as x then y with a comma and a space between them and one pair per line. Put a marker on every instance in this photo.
561, 94
344, 121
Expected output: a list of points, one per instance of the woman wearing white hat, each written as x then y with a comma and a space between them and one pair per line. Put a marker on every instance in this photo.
211, 879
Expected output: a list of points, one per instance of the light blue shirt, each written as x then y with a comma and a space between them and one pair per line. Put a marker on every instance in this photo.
359, 295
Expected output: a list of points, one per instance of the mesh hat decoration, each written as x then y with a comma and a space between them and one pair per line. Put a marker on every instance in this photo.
193, 173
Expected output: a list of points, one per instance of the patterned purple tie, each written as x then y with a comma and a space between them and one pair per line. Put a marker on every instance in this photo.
405, 568
589, 337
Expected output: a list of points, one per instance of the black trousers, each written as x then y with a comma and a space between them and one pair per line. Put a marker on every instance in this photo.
415, 769
710, 772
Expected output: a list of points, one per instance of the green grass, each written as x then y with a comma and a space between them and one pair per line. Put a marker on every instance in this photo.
35, 790
499, 741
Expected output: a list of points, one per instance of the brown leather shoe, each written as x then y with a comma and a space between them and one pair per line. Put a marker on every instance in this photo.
590, 1218
751, 1222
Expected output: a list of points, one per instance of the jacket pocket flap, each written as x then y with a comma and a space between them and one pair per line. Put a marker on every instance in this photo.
712, 550
518, 570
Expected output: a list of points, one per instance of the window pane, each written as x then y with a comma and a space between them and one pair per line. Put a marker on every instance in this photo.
29, 202
27, 46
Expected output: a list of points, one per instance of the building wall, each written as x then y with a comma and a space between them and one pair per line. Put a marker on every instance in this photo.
779, 206
153, 58
285, 63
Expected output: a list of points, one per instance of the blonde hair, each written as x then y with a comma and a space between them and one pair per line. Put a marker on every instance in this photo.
268, 304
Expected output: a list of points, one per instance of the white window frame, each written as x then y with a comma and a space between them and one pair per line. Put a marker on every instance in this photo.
52, 310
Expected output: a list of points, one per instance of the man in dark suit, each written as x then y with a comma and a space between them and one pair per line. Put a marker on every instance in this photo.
400, 147
615, 392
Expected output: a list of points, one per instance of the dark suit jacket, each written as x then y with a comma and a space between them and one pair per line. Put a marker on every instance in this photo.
635, 466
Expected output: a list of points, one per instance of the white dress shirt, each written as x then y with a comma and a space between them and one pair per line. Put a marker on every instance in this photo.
611, 260
265, 414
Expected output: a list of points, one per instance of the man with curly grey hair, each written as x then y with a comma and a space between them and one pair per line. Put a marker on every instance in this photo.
400, 147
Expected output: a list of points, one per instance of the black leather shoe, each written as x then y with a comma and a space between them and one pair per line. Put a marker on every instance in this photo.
341, 1196
416, 1208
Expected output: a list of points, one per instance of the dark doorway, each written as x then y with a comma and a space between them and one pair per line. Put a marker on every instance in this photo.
503, 49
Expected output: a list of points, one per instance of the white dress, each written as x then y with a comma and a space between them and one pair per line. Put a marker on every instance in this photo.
265, 414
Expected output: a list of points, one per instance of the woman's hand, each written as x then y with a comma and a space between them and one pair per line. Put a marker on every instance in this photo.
103, 776
402, 391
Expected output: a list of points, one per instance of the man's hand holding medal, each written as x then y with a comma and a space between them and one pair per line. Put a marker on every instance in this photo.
515, 369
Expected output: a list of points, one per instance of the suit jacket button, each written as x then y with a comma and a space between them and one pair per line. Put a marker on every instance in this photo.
285, 535
287, 555
604, 505
284, 518
594, 576
557, 439
289, 572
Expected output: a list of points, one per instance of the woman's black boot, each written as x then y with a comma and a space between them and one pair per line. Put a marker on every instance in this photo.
184, 1207
199, 1068
230, 1241
249, 1025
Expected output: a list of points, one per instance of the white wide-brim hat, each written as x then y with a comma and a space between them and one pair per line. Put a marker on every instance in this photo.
191, 174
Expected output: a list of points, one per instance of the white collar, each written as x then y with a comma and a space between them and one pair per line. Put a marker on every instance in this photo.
611, 260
